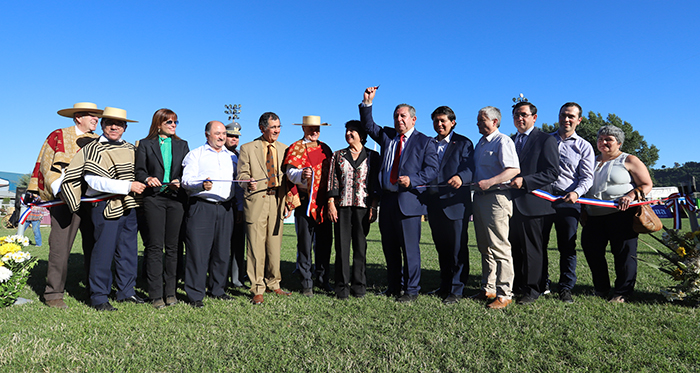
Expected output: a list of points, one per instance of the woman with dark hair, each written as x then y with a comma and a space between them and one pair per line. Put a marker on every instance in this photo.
159, 165
617, 176
353, 194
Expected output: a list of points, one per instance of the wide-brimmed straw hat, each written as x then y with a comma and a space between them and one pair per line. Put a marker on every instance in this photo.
80, 106
311, 120
115, 113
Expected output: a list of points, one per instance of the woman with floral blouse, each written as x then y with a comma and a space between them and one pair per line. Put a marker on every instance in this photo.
353, 187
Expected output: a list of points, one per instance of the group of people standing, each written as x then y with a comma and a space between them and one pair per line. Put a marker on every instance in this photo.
213, 196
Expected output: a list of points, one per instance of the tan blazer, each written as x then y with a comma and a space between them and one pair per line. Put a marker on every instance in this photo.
251, 165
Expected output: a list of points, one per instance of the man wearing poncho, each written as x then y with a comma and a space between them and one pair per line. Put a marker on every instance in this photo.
56, 153
107, 166
306, 164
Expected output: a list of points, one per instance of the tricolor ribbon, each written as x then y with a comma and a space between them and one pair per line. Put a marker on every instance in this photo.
589, 201
56, 202
675, 202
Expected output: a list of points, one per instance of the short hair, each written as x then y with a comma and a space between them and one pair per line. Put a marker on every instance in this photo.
265, 119
444, 110
160, 116
491, 113
614, 131
356, 125
572, 104
207, 127
533, 108
411, 109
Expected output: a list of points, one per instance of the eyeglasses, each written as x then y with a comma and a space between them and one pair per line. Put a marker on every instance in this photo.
521, 115
227, 135
169, 121
111, 122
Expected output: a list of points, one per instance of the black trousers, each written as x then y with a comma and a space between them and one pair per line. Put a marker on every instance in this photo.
616, 229
565, 222
208, 243
352, 228
450, 237
320, 236
238, 266
164, 216
526, 240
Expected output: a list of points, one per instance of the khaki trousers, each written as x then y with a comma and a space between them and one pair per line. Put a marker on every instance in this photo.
492, 212
264, 245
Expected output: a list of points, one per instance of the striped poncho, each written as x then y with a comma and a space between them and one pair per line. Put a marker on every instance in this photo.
114, 160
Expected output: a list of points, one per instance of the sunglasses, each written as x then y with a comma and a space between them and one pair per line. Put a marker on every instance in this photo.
170, 121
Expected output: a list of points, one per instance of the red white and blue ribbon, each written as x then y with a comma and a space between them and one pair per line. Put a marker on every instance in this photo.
589, 201
675, 202
57, 202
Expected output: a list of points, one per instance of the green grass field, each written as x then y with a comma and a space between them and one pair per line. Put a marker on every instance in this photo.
322, 334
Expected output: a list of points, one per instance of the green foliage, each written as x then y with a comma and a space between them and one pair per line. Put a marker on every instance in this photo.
634, 141
23, 181
674, 176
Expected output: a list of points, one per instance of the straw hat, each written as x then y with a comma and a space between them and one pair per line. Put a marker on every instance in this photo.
311, 120
115, 113
80, 106
233, 128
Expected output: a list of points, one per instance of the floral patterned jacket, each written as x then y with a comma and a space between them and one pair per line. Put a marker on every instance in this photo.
354, 182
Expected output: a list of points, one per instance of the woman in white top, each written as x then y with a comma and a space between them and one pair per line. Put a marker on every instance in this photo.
616, 175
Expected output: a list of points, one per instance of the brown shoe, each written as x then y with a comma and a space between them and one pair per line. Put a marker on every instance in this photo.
57, 303
279, 292
483, 295
499, 303
617, 299
258, 299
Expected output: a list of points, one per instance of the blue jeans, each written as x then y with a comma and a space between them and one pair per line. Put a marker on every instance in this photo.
36, 225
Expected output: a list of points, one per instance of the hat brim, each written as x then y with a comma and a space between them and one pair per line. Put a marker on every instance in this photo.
234, 133
117, 118
312, 125
68, 113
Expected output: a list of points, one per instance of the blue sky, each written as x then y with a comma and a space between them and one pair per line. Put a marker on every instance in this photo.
638, 60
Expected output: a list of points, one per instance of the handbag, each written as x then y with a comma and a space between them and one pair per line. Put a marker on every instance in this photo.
645, 219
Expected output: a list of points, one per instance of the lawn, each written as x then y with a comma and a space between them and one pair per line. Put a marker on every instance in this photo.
322, 334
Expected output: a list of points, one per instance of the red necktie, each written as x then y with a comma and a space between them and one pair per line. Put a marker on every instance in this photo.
394, 176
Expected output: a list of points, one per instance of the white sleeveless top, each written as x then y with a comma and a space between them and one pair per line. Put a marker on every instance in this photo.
611, 180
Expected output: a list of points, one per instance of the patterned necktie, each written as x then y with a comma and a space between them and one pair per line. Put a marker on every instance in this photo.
270, 166
394, 176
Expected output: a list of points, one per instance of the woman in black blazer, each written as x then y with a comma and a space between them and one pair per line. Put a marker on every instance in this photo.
159, 165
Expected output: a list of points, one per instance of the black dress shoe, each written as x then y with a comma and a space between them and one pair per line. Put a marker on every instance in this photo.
565, 296
526, 300
197, 304
223, 296
407, 298
451, 299
132, 299
391, 293
104, 307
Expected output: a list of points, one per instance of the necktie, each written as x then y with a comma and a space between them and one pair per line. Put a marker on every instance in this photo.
519, 143
394, 176
270, 165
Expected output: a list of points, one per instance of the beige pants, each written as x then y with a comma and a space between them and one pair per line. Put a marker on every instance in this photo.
492, 212
264, 244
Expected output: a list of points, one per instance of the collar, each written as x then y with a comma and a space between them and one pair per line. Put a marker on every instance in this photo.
528, 132
103, 139
447, 138
408, 134
574, 136
492, 135
209, 148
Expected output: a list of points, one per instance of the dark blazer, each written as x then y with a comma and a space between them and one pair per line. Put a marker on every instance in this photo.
539, 168
149, 162
418, 161
457, 160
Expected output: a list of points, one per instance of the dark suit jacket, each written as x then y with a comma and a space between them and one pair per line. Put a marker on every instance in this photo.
539, 168
457, 160
149, 162
418, 161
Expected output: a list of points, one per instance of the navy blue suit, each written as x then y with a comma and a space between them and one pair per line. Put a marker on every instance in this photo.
448, 214
400, 218
539, 168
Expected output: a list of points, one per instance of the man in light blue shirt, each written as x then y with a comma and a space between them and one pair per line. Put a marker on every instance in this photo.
576, 160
